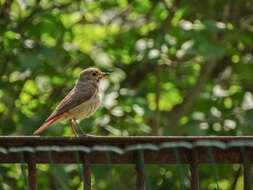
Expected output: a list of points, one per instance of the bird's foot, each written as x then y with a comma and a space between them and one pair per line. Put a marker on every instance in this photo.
88, 135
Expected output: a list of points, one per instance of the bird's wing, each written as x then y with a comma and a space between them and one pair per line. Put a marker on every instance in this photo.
74, 99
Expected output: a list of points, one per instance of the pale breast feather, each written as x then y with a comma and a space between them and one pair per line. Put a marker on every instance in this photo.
85, 109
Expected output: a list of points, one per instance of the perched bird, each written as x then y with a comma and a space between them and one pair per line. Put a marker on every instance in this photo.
80, 103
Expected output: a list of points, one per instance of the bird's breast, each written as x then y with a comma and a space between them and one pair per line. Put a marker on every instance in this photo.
87, 108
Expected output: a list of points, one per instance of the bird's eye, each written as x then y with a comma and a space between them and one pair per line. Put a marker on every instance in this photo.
94, 74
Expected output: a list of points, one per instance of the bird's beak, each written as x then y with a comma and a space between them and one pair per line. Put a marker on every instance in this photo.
104, 74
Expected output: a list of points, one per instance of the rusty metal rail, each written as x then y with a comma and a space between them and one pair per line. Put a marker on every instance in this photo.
128, 150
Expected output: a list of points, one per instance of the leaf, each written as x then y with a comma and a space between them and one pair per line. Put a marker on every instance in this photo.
249, 117
49, 55
28, 61
209, 50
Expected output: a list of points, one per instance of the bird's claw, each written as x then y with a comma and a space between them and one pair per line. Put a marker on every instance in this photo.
88, 135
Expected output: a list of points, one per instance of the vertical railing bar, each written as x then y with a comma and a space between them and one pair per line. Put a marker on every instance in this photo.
140, 178
61, 181
179, 167
32, 172
87, 172
109, 165
247, 169
140, 182
23, 170
194, 170
52, 169
214, 168
78, 156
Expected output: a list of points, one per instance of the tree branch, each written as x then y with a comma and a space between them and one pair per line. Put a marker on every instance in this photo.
4, 13
141, 73
183, 108
29, 18
157, 128
236, 177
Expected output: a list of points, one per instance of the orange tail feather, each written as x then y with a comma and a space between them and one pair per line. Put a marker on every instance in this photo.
47, 124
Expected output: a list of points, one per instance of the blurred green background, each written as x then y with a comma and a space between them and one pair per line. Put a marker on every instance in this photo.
179, 67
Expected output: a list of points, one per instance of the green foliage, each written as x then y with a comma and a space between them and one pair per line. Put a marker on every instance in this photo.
190, 61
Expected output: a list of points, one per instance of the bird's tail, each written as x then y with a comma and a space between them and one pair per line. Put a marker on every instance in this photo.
47, 124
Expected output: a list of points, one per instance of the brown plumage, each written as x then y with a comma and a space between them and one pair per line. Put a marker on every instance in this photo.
81, 102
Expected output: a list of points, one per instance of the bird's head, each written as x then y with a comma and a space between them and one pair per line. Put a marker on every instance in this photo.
92, 74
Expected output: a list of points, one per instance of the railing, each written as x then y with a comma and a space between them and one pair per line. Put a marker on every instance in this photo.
127, 150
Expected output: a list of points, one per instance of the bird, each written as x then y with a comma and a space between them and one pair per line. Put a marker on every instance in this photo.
80, 103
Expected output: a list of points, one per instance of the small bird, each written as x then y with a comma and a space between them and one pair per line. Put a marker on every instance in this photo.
80, 103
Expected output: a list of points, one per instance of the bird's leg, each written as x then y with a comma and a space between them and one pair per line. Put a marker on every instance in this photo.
70, 122
84, 134
78, 126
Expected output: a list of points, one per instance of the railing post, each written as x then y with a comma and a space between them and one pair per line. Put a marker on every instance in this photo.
194, 170
87, 172
32, 172
140, 178
247, 170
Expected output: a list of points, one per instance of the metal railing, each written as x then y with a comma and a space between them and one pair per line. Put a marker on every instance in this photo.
127, 150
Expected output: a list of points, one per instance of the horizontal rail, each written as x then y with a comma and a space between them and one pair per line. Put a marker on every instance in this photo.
122, 150
103, 140
151, 157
